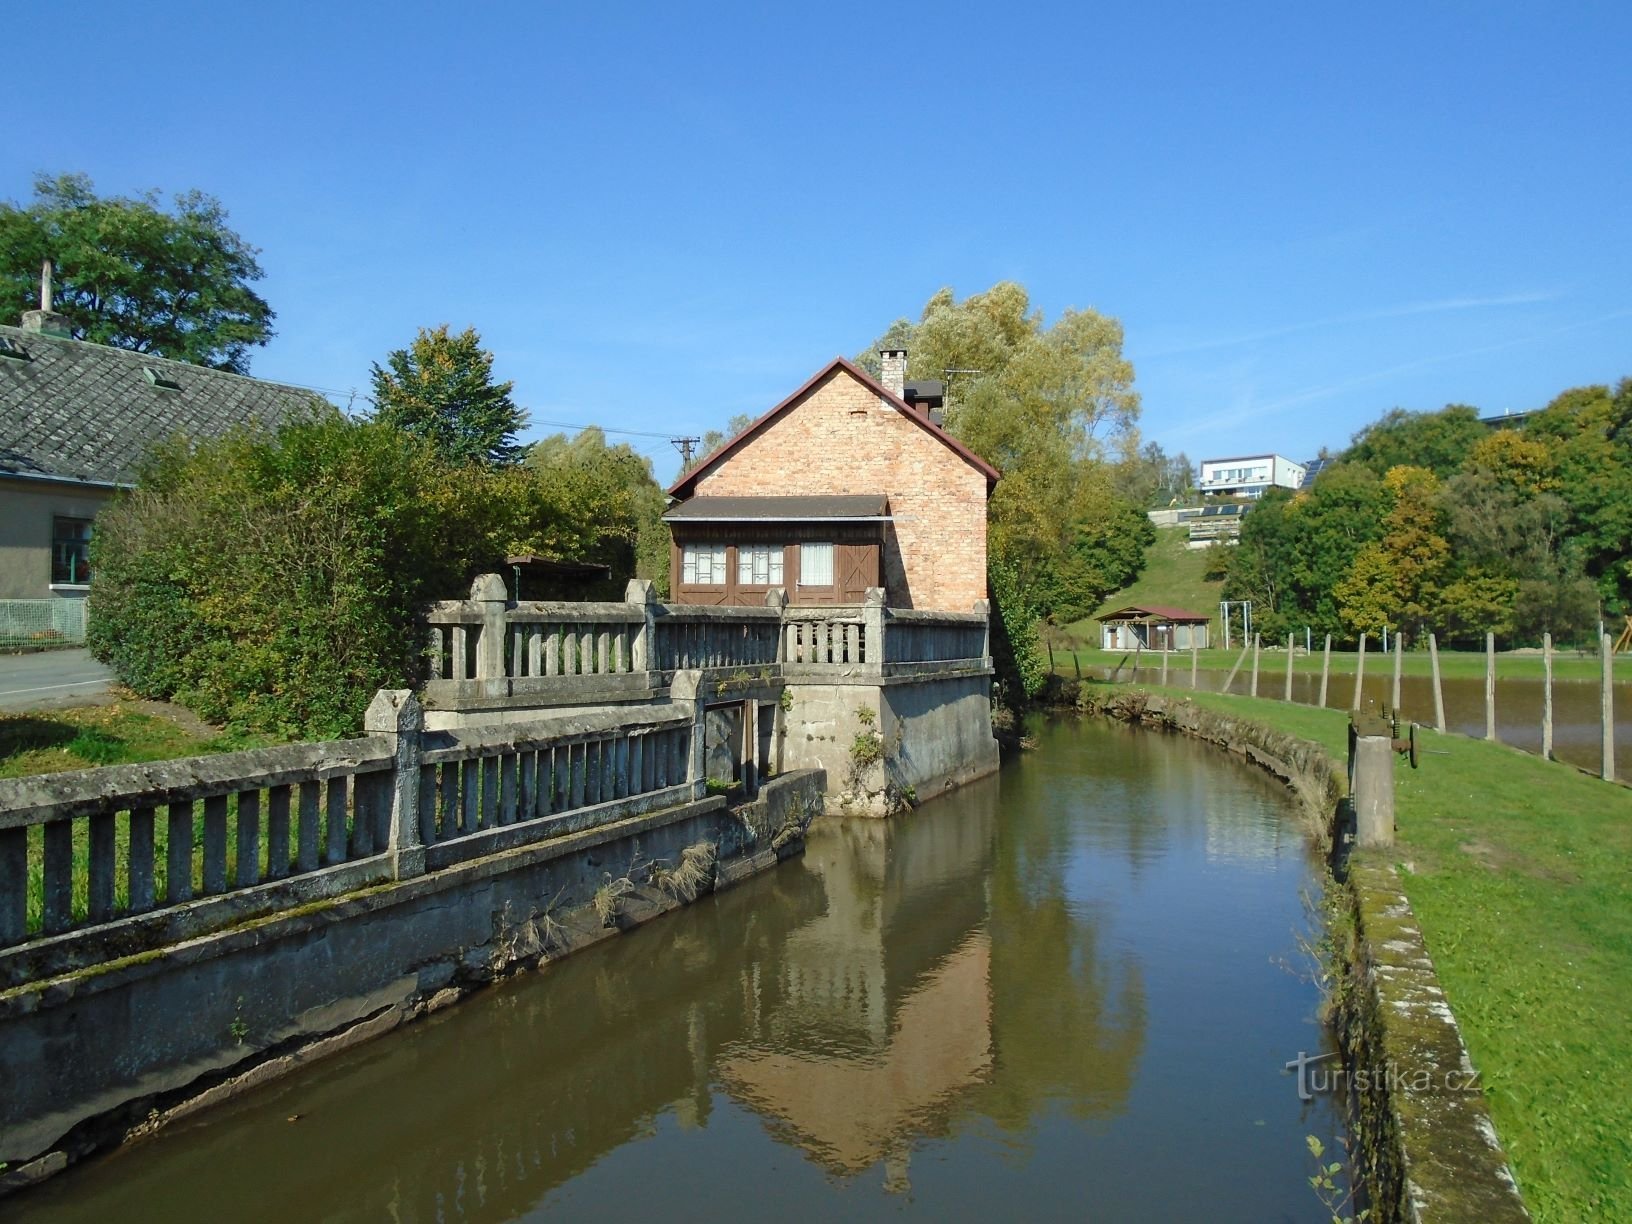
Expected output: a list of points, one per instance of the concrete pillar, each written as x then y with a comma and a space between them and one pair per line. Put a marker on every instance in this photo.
983, 607
683, 691
396, 715
488, 593
872, 619
1371, 780
644, 648
777, 597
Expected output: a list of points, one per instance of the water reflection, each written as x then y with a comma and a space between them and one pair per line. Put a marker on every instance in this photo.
1050, 990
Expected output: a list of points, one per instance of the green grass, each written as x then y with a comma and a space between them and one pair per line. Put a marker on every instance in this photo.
1520, 873
1172, 575
1453, 664
89, 736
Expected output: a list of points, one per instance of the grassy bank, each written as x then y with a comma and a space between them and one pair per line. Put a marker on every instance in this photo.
1517, 869
120, 734
1453, 664
1173, 575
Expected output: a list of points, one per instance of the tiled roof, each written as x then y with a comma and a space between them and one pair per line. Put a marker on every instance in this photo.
781, 509
81, 411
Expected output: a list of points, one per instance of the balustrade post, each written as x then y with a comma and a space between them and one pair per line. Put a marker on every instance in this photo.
777, 597
872, 620
397, 715
644, 648
488, 591
684, 689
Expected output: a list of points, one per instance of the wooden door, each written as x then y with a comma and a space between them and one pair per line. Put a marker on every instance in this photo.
857, 566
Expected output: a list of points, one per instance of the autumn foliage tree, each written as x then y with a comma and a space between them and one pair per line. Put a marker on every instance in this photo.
440, 388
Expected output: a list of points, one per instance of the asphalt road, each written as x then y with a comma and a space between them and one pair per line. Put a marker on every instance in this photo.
51, 679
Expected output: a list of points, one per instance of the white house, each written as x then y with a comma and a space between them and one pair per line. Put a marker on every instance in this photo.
1249, 475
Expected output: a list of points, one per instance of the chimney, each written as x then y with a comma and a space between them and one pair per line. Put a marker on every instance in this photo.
45, 320
893, 370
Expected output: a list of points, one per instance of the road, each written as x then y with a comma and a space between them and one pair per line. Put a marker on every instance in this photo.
51, 679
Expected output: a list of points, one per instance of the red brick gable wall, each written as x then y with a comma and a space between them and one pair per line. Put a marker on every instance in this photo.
840, 438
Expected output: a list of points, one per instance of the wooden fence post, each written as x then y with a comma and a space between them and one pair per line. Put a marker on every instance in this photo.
1399, 660
1490, 685
1165, 653
1547, 696
1257, 640
1439, 692
1192, 658
1325, 668
1607, 706
1290, 652
1359, 673
395, 715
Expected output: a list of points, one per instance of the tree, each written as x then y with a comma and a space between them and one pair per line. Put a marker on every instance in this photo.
1397, 581
132, 274
1038, 403
1439, 441
441, 388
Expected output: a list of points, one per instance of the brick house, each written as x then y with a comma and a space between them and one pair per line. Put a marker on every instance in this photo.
849, 483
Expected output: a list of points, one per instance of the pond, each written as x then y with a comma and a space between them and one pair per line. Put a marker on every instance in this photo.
1067, 991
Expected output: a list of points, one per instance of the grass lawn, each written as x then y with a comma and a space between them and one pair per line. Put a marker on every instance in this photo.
1453, 664
88, 736
1172, 575
1520, 873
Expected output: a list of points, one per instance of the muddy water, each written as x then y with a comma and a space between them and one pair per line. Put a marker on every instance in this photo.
1056, 994
1577, 728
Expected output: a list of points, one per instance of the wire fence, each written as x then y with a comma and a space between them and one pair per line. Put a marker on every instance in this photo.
42, 622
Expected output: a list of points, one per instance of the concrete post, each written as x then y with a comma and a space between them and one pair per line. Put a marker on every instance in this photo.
1165, 653
1291, 651
1325, 669
1257, 642
396, 715
1490, 685
1193, 660
643, 650
684, 690
488, 592
872, 621
1359, 673
1371, 772
983, 607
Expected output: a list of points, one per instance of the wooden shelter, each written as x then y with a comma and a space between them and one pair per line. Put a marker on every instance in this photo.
1153, 627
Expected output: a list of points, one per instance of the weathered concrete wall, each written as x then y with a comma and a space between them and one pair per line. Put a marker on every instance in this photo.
940, 732
87, 1055
928, 735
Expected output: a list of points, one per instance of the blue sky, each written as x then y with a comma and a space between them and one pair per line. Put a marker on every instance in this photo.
659, 216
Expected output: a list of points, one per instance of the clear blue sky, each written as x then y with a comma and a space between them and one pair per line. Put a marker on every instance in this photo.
658, 216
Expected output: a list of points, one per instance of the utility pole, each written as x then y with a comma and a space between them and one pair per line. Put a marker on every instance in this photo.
687, 447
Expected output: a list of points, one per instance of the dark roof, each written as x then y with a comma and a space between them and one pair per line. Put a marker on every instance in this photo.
780, 509
550, 567
1159, 611
682, 486
87, 412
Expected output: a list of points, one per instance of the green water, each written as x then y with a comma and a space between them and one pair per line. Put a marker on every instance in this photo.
1066, 992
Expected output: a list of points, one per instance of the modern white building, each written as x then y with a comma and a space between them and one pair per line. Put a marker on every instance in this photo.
1248, 475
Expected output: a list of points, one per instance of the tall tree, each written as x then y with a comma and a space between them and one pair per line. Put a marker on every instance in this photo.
1439, 441
131, 273
602, 505
1397, 581
441, 388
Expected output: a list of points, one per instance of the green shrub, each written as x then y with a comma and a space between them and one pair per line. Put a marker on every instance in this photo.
274, 581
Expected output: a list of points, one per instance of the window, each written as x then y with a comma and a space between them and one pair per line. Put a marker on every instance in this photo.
815, 565
702, 564
71, 550
759, 564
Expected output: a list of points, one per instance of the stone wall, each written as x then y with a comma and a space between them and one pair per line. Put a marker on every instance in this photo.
843, 439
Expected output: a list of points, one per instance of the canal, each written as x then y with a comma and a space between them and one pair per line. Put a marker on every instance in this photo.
1064, 992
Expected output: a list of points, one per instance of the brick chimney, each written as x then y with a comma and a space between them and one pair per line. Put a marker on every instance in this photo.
45, 320
893, 370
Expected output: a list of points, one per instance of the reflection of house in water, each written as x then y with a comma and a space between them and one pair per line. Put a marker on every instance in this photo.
886, 998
